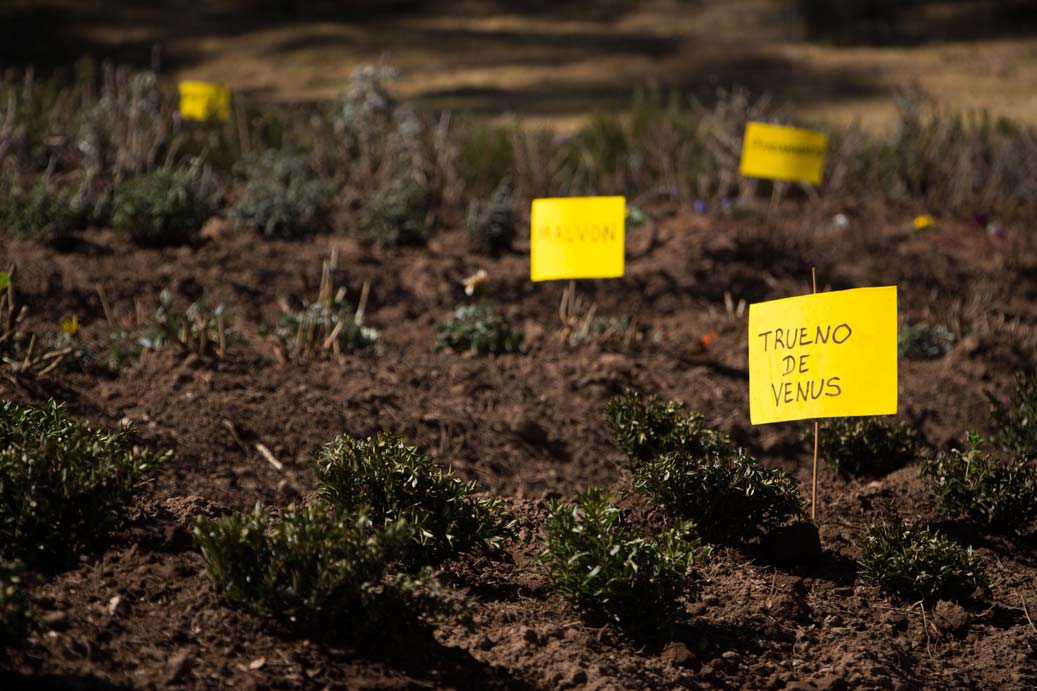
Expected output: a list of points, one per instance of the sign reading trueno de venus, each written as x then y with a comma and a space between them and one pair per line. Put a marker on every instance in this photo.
203, 101
823, 355
577, 237
783, 153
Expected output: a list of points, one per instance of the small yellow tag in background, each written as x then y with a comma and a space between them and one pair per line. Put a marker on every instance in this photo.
204, 101
783, 153
577, 237
824, 355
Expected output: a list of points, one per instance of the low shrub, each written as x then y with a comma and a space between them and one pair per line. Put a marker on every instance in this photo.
398, 214
646, 427
477, 329
64, 486
595, 561
315, 566
492, 225
973, 484
165, 207
923, 341
696, 473
1017, 423
393, 481
283, 197
16, 619
916, 563
43, 213
866, 445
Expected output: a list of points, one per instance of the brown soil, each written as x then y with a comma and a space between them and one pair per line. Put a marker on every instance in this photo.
143, 614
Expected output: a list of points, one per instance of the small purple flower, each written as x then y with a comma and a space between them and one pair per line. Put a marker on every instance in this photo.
726, 203
700, 206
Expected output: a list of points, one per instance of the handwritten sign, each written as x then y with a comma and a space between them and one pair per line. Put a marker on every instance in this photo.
824, 355
577, 237
783, 153
204, 101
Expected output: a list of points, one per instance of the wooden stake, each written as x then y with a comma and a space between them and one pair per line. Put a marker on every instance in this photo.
817, 428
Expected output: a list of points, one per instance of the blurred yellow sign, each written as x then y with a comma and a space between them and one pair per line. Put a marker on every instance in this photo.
204, 101
577, 237
783, 153
824, 355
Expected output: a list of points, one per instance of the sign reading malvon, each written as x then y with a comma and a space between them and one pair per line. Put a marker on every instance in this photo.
204, 101
823, 355
576, 237
783, 153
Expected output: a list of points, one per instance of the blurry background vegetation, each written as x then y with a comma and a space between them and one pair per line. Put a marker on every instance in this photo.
548, 62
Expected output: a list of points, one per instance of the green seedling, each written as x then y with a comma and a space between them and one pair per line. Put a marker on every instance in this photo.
477, 329
597, 562
970, 483
1017, 423
696, 473
916, 563
866, 446
65, 487
393, 481
315, 566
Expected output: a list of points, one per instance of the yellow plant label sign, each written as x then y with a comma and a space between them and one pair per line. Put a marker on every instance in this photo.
577, 237
783, 153
204, 101
824, 355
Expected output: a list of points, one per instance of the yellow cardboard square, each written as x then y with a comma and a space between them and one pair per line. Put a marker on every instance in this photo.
783, 153
824, 355
577, 237
204, 101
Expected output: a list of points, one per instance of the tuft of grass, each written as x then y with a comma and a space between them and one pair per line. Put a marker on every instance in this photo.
492, 225
43, 213
316, 566
696, 473
398, 214
916, 563
164, 207
866, 445
16, 617
283, 197
393, 481
922, 341
1017, 423
65, 486
973, 484
600, 564
477, 329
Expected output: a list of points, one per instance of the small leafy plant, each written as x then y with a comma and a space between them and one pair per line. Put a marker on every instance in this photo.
646, 427
42, 213
16, 619
283, 197
314, 567
916, 563
64, 486
696, 473
493, 224
23, 353
601, 565
923, 341
197, 328
329, 324
973, 484
866, 446
1017, 423
398, 214
477, 329
393, 481
164, 207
